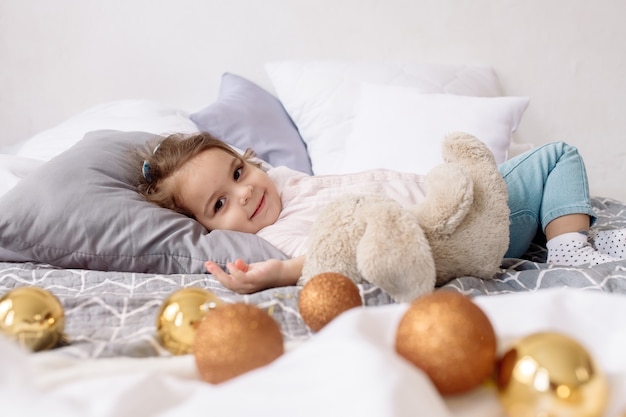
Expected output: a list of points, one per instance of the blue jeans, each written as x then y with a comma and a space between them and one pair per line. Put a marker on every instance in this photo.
544, 183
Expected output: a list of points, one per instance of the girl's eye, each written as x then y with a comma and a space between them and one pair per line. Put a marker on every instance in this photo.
218, 205
238, 173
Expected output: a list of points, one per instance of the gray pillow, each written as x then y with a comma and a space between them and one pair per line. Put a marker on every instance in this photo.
81, 210
247, 116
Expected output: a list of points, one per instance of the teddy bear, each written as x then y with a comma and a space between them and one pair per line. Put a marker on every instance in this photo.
461, 228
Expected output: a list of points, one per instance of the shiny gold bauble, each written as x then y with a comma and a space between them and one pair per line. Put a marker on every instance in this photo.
179, 316
234, 339
325, 296
550, 375
33, 317
450, 338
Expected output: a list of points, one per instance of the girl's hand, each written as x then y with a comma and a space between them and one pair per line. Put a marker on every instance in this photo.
246, 278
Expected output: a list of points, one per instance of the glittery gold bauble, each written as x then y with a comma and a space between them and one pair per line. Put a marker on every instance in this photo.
234, 339
180, 315
550, 374
325, 296
33, 317
450, 338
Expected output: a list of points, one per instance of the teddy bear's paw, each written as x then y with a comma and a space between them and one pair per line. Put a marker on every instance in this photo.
394, 254
332, 241
461, 146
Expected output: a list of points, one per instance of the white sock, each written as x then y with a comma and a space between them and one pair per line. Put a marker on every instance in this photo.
572, 249
609, 242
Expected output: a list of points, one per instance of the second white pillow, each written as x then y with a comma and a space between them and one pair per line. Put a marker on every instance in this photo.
402, 129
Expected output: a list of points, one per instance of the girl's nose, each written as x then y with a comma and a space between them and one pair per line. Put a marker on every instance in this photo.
246, 193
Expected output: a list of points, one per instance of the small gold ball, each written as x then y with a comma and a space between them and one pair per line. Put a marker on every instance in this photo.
450, 338
325, 296
179, 316
33, 317
550, 374
234, 339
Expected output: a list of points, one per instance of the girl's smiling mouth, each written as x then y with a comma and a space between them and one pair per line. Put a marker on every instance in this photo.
259, 207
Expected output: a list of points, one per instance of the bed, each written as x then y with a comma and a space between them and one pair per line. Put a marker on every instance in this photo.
73, 224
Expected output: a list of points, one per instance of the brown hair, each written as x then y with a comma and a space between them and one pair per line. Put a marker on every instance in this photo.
163, 157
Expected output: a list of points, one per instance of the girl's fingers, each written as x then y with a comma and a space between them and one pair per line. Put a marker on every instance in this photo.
235, 280
241, 265
210, 266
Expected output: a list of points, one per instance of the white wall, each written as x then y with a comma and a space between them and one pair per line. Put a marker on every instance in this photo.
60, 57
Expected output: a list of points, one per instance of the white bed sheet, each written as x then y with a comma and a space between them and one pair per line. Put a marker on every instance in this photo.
349, 368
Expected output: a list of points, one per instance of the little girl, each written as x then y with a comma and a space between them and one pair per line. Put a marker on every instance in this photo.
203, 178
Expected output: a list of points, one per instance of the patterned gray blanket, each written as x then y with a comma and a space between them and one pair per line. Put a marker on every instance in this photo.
114, 314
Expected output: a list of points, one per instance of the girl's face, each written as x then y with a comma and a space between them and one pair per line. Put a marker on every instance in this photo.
222, 192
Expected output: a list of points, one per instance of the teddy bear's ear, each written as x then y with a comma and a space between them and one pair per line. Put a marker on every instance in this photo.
449, 198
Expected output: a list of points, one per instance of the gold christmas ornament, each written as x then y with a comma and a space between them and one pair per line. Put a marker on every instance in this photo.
550, 374
179, 316
450, 338
325, 296
33, 317
234, 339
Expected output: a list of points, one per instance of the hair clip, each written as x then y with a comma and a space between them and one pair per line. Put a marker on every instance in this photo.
145, 168
145, 171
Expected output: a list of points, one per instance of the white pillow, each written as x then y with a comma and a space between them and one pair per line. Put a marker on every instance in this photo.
125, 115
320, 96
400, 128
13, 168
